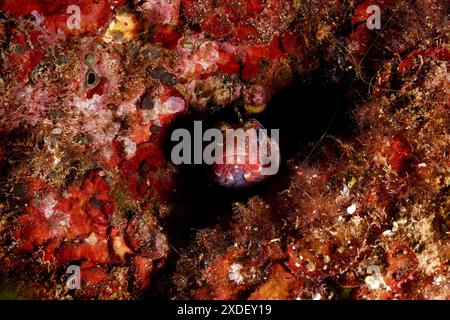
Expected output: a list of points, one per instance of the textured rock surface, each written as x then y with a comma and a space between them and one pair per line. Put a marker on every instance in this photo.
86, 113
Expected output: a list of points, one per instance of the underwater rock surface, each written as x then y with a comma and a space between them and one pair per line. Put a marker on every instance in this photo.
90, 92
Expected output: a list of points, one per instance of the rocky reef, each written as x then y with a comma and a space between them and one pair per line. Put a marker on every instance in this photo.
90, 92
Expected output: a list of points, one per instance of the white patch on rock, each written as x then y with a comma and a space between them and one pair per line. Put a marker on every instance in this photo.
47, 206
352, 209
235, 273
345, 192
92, 239
375, 280
129, 146
317, 296
39, 18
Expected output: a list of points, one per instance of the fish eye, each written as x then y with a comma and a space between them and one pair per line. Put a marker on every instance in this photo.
92, 79
252, 124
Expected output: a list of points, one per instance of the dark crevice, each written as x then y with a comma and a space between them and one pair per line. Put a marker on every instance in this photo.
303, 112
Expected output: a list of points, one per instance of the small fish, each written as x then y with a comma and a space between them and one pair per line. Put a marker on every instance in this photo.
246, 164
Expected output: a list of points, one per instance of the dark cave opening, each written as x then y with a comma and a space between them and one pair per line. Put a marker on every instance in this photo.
304, 113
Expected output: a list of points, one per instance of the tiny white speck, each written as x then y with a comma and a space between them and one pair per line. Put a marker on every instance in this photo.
92, 239
345, 192
437, 280
388, 233
351, 209
57, 131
